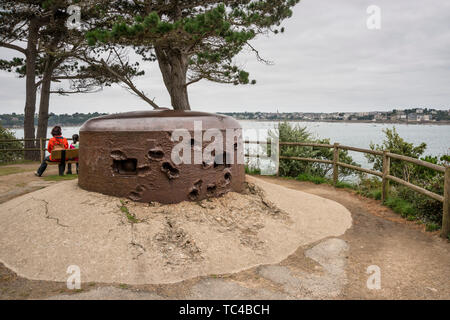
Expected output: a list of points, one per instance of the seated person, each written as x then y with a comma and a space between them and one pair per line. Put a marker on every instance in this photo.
58, 142
74, 145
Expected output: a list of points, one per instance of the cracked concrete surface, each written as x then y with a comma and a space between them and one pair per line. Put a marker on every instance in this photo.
331, 255
281, 282
44, 232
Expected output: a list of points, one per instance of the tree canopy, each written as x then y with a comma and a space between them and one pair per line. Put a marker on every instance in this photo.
193, 40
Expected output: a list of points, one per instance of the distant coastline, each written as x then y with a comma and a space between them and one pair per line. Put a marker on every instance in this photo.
437, 123
433, 123
417, 116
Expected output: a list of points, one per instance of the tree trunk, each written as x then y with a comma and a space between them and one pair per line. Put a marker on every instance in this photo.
45, 100
174, 66
30, 102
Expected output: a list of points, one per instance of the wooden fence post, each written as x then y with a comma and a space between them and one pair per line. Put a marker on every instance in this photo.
42, 149
386, 172
446, 215
278, 157
335, 164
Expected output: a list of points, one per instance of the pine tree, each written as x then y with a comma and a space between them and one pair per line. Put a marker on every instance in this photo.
192, 40
55, 53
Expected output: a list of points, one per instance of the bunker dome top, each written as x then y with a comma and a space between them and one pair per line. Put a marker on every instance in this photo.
159, 121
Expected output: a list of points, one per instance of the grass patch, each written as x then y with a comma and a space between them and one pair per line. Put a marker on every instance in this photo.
374, 194
402, 207
2, 164
346, 185
61, 178
252, 171
432, 227
130, 216
5, 171
310, 178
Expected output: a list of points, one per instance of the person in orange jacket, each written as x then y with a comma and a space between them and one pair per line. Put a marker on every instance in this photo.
55, 143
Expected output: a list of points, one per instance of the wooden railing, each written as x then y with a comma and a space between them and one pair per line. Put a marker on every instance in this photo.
385, 175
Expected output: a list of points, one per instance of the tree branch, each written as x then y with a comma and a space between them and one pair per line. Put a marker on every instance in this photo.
13, 47
258, 56
194, 81
130, 85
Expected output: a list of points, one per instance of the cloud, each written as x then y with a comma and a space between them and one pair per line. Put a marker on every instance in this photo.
326, 61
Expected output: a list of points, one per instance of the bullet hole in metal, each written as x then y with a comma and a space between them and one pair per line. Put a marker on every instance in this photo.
118, 155
126, 167
156, 154
194, 194
171, 171
211, 190
227, 177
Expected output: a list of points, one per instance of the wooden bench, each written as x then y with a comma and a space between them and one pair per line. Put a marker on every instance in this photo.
63, 157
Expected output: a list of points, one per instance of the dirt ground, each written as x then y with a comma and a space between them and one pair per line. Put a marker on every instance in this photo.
23, 182
414, 264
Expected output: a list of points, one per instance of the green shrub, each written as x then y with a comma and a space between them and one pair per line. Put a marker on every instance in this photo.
9, 156
425, 208
346, 185
311, 178
368, 187
401, 206
294, 168
395, 144
432, 227
252, 171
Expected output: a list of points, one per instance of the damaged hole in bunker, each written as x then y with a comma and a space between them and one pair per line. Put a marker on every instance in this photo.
211, 189
170, 170
227, 177
125, 167
156, 154
135, 196
194, 194
144, 171
118, 155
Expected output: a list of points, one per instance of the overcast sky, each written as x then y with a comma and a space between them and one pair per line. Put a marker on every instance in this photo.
326, 61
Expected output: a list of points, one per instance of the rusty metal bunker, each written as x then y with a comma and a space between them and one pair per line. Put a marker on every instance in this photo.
129, 155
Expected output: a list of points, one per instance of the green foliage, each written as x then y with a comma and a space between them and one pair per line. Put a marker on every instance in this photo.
432, 227
369, 187
9, 156
252, 171
407, 203
130, 216
206, 34
425, 208
345, 185
395, 144
294, 168
401, 206
311, 178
